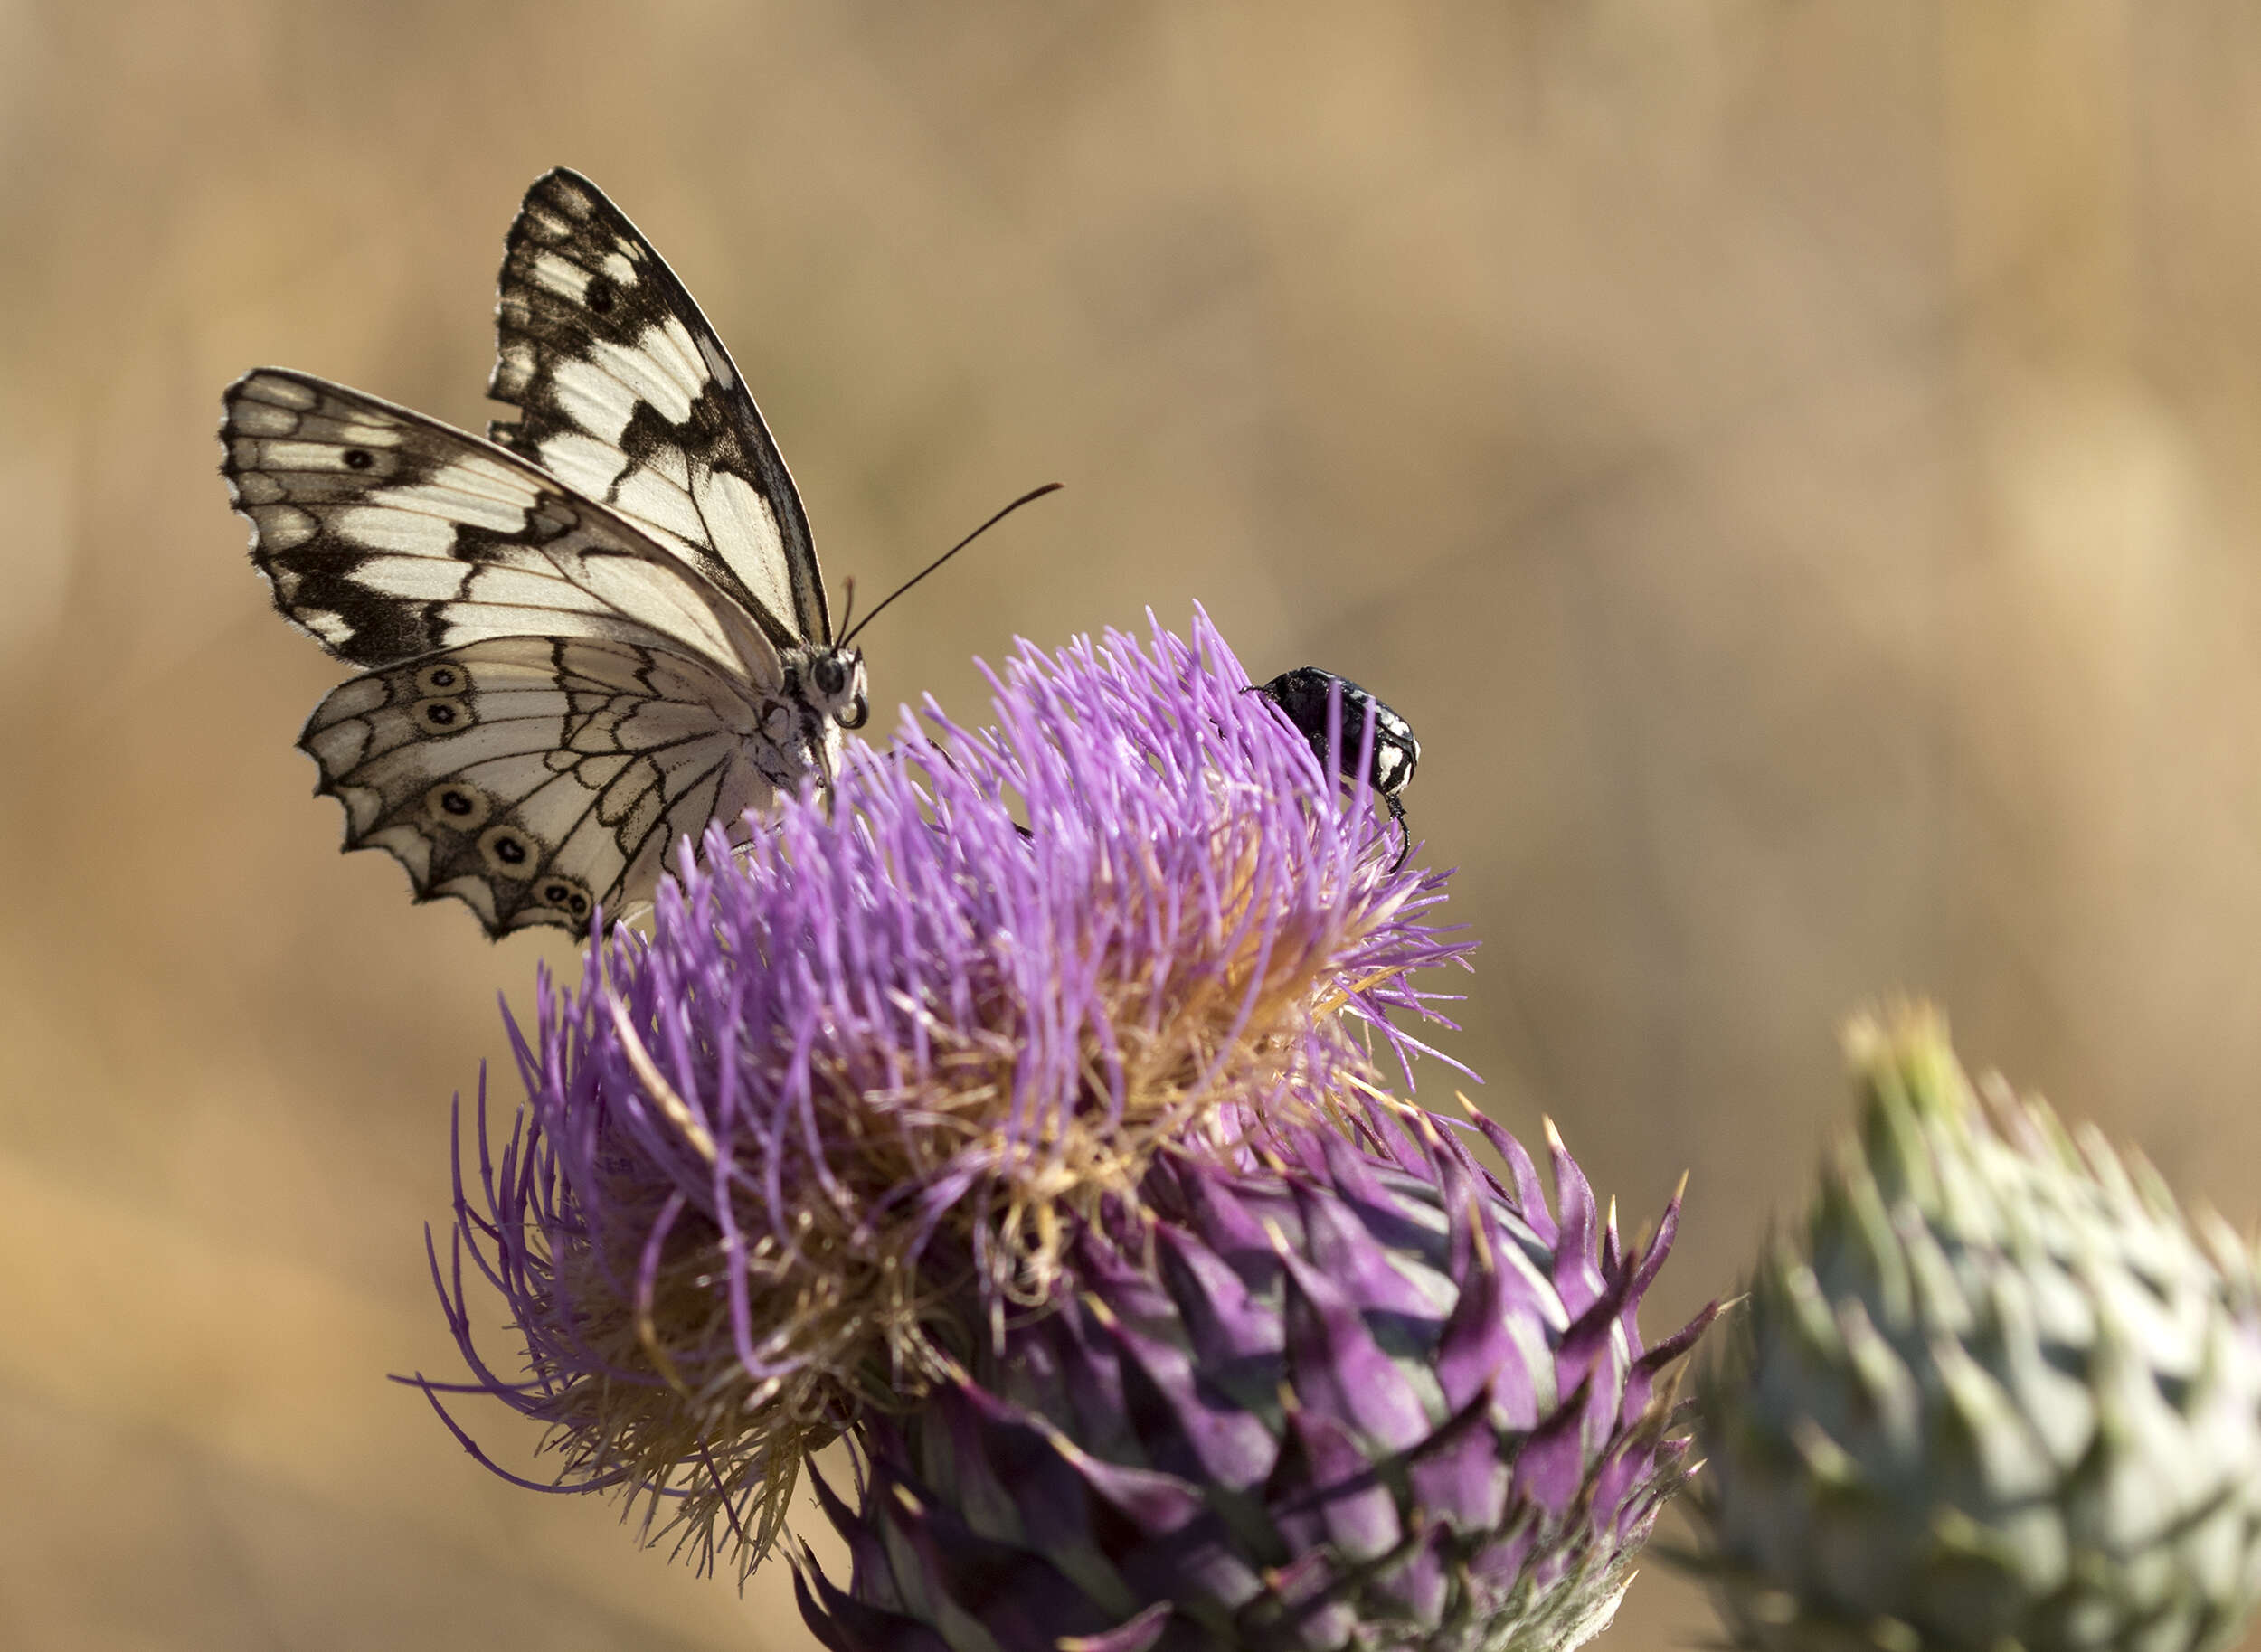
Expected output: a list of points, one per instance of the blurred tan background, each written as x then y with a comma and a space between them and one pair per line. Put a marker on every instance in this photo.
1794, 464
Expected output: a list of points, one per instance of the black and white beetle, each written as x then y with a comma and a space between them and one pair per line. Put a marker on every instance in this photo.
1301, 695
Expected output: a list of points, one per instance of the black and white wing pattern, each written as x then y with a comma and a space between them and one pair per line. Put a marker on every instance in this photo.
556, 700
537, 779
390, 536
625, 393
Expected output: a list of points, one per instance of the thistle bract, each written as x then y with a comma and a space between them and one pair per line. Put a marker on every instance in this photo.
2005, 1394
1359, 1399
876, 1066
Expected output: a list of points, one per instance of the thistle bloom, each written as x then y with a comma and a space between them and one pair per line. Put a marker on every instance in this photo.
1348, 1399
868, 1075
2002, 1393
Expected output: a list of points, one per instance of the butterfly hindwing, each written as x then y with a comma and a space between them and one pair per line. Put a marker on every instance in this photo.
624, 392
533, 779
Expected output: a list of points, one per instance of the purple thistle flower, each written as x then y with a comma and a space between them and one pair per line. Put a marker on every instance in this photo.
1356, 1399
870, 1073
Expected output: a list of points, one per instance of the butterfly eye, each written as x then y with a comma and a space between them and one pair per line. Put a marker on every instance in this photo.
442, 679
441, 716
453, 803
507, 851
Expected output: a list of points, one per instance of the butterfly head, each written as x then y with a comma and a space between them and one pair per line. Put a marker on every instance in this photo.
838, 687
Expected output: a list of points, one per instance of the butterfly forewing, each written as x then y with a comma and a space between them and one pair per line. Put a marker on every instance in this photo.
533, 779
390, 536
625, 392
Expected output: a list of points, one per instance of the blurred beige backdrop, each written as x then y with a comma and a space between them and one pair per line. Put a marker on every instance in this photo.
1794, 463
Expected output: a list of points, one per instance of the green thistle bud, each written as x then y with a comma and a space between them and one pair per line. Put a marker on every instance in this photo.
2006, 1396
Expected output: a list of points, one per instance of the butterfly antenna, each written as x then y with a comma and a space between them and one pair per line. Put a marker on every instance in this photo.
1033, 494
847, 612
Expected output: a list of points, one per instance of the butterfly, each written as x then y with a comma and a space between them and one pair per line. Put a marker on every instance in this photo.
582, 639
1303, 696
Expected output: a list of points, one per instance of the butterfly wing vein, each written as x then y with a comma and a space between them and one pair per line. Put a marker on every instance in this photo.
623, 388
537, 779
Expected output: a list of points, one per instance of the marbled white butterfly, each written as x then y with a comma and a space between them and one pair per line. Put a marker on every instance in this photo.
1301, 695
586, 638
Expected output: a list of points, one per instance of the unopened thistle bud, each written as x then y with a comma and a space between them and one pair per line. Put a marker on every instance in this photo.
2002, 1392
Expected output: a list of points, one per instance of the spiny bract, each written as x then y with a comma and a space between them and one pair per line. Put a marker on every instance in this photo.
2006, 1396
1366, 1399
